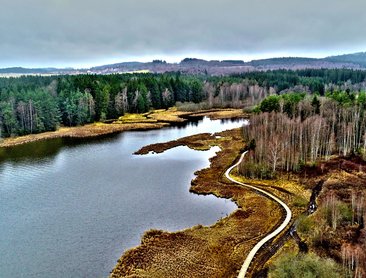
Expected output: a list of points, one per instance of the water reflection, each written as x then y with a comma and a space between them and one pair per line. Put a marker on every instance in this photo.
70, 207
46, 150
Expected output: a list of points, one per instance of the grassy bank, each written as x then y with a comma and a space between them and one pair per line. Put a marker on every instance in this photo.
335, 233
214, 251
153, 120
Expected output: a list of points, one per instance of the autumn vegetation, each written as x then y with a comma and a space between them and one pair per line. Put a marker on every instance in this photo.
307, 133
293, 130
204, 251
336, 229
304, 265
34, 104
319, 142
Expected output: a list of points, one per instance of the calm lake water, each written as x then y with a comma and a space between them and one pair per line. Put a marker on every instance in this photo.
71, 208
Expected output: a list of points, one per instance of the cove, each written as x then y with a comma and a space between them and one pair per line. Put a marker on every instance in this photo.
70, 208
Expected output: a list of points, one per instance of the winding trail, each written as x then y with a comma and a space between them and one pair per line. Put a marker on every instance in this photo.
253, 252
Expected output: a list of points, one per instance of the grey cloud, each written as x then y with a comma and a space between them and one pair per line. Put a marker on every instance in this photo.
73, 31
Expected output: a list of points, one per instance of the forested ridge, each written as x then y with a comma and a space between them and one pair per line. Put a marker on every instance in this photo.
34, 104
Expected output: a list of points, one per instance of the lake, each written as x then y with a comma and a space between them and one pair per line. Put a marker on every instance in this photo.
70, 208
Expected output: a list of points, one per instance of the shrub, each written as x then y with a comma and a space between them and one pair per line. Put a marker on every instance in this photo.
300, 202
192, 107
306, 224
255, 171
335, 212
304, 266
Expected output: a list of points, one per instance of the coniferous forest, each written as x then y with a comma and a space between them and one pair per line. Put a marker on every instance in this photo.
34, 104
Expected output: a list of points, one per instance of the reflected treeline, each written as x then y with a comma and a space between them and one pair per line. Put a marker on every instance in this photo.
34, 151
235, 120
46, 150
191, 121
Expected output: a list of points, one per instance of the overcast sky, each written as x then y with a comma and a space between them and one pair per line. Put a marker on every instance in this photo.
92, 32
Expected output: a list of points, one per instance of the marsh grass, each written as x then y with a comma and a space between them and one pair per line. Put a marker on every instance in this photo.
214, 251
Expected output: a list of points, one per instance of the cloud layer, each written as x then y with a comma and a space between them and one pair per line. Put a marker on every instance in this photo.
80, 31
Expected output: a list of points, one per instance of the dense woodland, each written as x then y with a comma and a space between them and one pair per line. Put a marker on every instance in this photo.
37, 104
33, 104
313, 135
292, 130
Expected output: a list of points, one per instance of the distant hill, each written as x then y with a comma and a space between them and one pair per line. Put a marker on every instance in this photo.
20, 70
283, 61
237, 62
355, 58
212, 67
214, 63
127, 65
295, 63
193, 61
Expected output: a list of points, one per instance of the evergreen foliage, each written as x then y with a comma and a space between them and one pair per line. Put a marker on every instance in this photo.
33, 104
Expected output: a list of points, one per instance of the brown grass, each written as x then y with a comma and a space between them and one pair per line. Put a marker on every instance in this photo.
172, 115
201, 141
290, 190
215, 251
223, 114
341, 177
86, 131
152, 120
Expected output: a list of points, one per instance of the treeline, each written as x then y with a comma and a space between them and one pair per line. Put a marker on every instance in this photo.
316, 80
38, 104
33, 104
292, 130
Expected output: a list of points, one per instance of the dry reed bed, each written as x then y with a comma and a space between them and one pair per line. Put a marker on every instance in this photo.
152, 120
214, 251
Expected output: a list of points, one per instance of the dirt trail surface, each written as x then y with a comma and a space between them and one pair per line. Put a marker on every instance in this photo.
284, 224
215, 251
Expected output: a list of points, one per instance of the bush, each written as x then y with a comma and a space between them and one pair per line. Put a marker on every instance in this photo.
192, 107
250, 109
306, 224
301, 202
335, 212
255, 171
271, 103
304, 265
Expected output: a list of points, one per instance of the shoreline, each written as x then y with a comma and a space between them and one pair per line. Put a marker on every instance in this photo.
211, 251
152, 120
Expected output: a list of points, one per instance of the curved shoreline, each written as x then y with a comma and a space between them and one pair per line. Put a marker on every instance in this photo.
153, 120
213, 251
278, 230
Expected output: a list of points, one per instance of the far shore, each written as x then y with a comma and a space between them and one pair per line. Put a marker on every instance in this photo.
153, 120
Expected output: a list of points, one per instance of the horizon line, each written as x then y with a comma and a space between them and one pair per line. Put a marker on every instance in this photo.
170, 59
